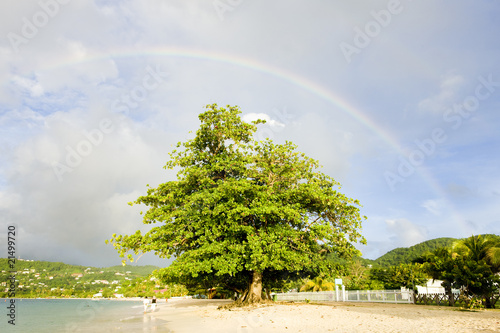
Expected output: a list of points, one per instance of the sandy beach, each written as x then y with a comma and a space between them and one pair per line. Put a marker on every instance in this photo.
202, 316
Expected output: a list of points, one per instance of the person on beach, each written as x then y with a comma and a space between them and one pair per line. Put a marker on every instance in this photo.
153, 304
146, 303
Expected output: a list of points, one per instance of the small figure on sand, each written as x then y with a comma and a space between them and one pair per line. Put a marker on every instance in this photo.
146, 303
153, 304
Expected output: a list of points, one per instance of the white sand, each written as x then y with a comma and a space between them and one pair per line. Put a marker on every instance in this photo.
202, 316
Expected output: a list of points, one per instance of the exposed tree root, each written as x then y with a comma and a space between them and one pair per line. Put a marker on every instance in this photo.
246, 304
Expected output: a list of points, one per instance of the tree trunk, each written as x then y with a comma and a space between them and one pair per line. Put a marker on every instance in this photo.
487, 301
255, 288
253, 293
451, 297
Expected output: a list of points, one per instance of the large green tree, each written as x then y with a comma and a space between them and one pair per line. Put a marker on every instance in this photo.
244, 213
477, 266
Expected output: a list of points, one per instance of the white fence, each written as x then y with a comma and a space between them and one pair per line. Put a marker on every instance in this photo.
382, 296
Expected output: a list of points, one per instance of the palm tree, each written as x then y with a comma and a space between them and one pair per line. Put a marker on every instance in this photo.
317, 284
479, 258
479, 248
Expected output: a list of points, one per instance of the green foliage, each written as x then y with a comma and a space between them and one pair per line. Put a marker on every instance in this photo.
107, 293
241, 207
480, 248
317, 284
476, 277
403, 275
439, 265
471, 303
356, 275
477, 265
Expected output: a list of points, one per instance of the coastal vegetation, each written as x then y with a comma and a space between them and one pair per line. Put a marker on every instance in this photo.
470, 264
56, 279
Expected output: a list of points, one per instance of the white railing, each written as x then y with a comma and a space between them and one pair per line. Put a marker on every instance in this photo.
382, 296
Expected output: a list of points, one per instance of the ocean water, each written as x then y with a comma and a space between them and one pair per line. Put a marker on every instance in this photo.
78, 315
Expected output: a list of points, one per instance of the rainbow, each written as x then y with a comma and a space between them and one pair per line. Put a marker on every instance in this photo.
286, 75
253, 65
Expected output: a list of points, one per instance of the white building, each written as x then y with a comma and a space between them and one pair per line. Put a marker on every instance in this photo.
433, 287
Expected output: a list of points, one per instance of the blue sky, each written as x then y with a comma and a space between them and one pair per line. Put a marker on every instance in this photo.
398, 100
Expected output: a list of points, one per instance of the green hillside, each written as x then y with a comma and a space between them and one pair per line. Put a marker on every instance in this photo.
46, 266
57, 279
407, 254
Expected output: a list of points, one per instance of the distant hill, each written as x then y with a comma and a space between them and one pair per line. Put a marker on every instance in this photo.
407, 254
59, 268
57, 279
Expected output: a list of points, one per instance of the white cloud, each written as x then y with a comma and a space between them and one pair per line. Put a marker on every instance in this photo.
433, 206
91, 200
32, 86
249, 117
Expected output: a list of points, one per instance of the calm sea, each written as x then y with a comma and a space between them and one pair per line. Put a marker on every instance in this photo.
74, 315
